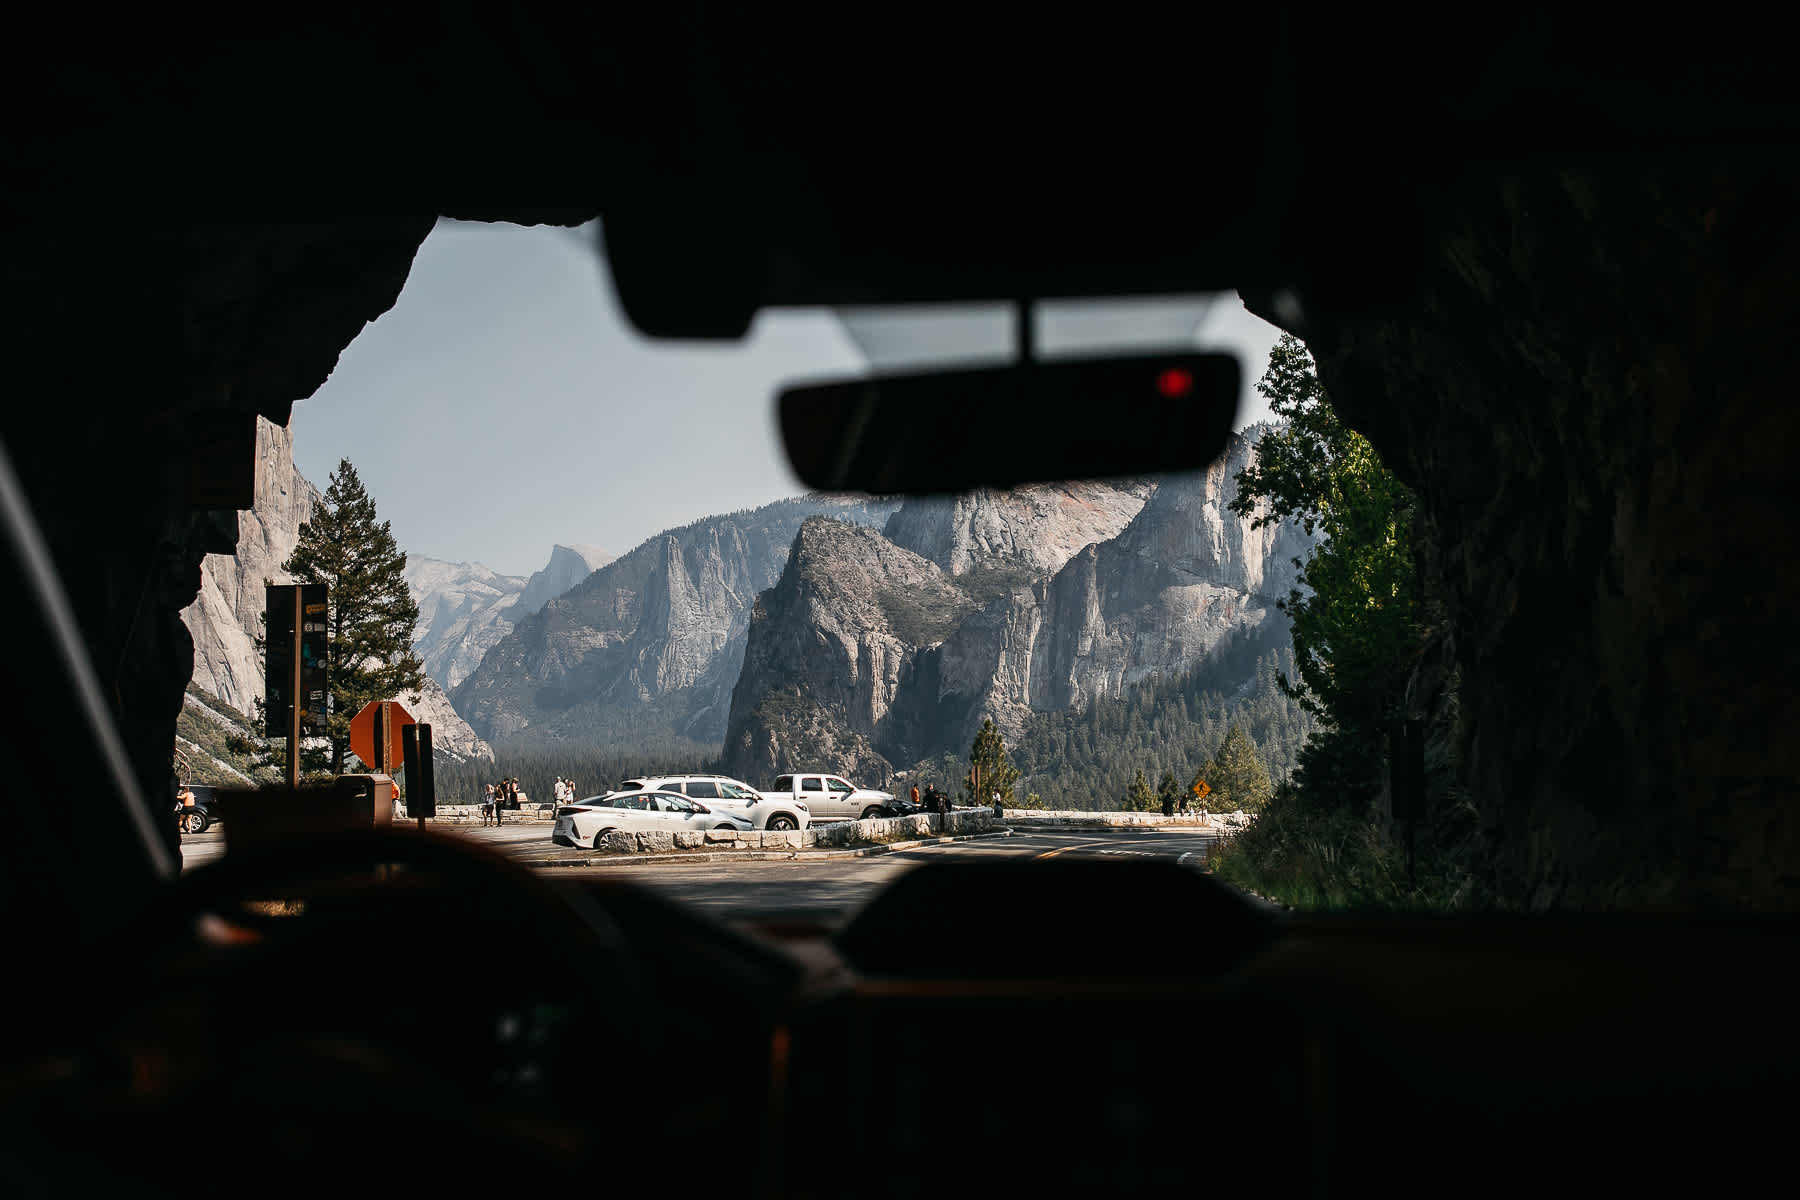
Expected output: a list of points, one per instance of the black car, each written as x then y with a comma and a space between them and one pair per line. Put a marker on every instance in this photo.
901, 806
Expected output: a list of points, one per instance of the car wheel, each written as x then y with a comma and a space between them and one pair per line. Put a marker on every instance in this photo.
873, 813
781, 823
194, 820
716, 828
599, 836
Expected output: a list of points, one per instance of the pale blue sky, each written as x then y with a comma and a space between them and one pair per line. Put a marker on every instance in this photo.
504, 405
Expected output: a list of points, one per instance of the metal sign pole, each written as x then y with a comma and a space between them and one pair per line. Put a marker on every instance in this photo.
293, 764
382, 733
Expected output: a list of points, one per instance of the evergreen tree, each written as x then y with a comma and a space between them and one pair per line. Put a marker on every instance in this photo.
988, 757
1355, 635
1237, 775
370, 610
1139, 798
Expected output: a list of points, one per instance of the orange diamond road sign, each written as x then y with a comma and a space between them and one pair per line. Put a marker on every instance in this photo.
365, 734
1201, 788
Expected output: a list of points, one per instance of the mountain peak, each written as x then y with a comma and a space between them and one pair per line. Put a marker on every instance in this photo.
1040, 526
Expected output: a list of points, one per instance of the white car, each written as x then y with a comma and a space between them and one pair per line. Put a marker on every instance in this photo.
762, 809
586, 821
834, 798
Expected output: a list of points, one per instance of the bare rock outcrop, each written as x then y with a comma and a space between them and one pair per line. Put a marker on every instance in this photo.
1040, 526
647, 648
864, 654
466, 609
227, 612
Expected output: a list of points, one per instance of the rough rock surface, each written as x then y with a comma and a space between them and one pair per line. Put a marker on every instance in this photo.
870, 657
1158, 597
1040, 526
228, 611
648, 647
824, 666
1583, 401
465, 609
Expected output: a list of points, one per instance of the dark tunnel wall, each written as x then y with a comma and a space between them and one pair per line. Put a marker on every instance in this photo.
1589, 387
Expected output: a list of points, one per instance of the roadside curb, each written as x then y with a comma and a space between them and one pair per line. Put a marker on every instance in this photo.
622, 860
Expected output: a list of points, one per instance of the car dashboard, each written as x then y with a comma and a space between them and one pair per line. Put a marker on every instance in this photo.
1062, 1027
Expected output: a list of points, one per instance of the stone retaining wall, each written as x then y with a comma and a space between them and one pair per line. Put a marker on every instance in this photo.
822, 836
1038, 816
470, 814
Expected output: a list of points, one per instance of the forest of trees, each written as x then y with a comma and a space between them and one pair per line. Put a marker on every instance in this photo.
1089, 760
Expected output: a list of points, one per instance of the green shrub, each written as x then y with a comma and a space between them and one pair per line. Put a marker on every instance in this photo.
1338, 860
921, 616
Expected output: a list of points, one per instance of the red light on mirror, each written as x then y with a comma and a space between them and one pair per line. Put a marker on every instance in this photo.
1175, 382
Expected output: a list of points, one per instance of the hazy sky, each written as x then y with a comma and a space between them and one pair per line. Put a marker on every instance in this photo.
504, 405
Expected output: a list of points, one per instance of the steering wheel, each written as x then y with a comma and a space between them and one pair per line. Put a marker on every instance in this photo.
299, 1047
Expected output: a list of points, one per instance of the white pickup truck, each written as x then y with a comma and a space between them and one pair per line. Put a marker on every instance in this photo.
831, 797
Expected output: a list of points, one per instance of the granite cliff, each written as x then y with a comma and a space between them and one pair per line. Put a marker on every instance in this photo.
870, 656
465, 609
227, 611
644, 651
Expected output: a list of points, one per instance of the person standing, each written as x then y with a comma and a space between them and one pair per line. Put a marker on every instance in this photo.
499, 800
915, 797
487, 804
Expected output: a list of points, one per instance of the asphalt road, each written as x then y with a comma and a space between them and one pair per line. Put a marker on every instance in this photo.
812, 887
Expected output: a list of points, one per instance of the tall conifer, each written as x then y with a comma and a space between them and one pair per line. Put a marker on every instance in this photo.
371, 611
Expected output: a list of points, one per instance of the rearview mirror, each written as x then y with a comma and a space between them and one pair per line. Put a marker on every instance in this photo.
953, 431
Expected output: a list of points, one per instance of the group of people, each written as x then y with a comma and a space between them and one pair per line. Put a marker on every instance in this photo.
505, 795
498, 798
933, 801
565, 791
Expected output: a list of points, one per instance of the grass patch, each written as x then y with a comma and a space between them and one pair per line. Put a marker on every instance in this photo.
1338, 861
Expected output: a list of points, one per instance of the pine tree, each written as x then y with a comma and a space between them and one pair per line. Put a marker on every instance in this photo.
370, 610
988, 756
1140, 798
1355, 627
1238, 777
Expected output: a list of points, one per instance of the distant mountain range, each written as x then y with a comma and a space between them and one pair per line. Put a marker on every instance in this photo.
465, 609
643, 653
845, 633
225, 616
881, 649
